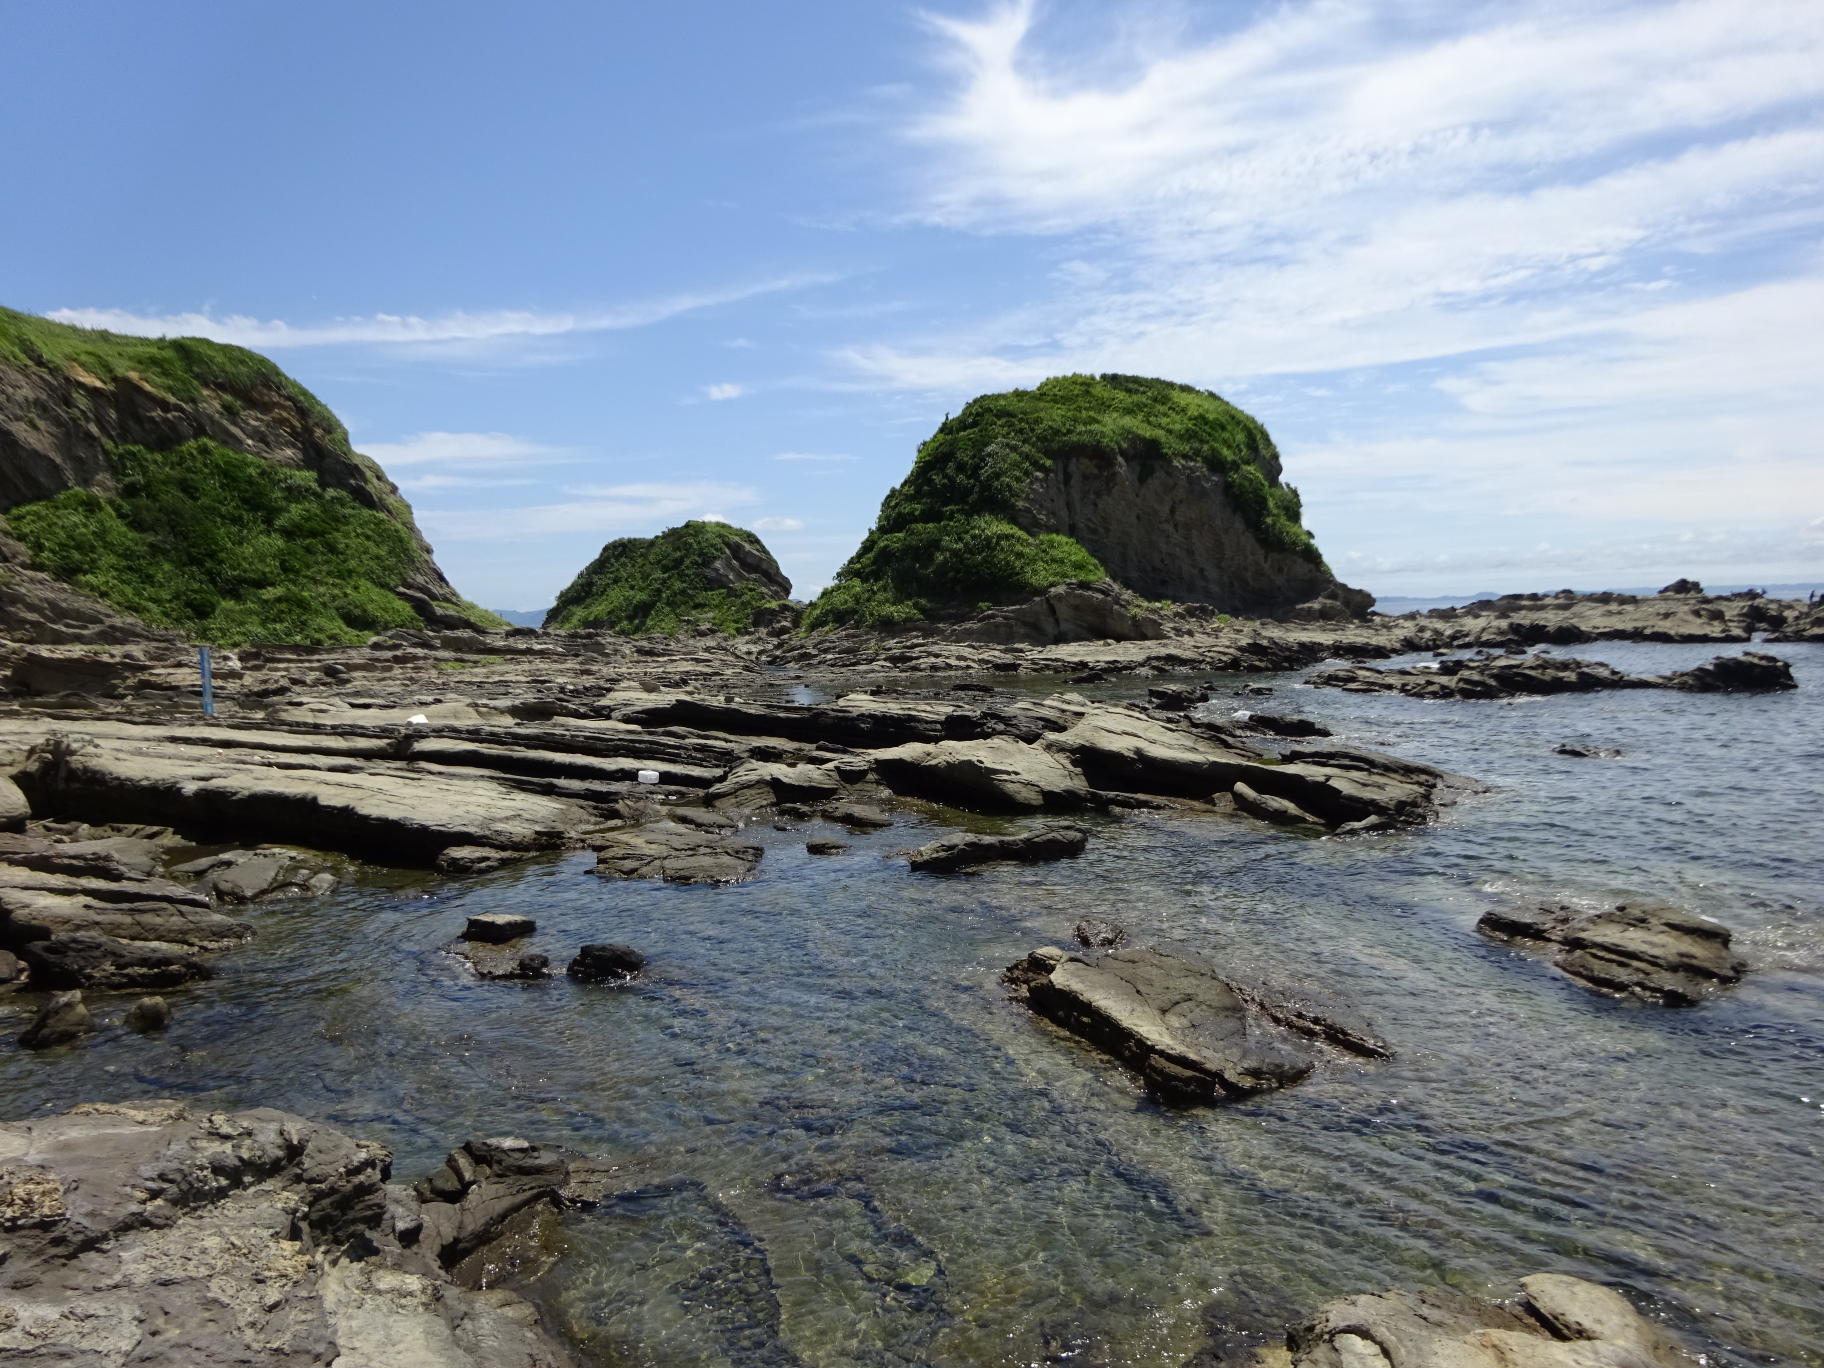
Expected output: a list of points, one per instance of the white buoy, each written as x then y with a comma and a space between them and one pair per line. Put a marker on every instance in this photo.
1240, 715
418, 717
649, 776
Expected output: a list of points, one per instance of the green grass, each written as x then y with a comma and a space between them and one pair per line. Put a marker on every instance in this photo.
945, 537
190, 369
226, 547
655, 585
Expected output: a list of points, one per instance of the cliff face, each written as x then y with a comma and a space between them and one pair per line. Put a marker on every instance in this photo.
1162, 488
697, 574
72, 400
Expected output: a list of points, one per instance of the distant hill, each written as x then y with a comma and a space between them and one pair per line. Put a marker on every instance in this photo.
522, 617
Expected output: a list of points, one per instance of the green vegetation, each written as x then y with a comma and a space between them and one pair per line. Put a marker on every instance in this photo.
226, 547
189, 369
660, 585
945, 537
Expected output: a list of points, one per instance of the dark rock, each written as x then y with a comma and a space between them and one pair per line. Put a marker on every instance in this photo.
85, 960
497, 927
675, 853
1658, 954
1683, 586
1277, 724
149, 1014
826, 847
967, 848
606, 963
1193, 1035
861, 815
12, 968
1750, 671
1587, 752
63, 1019
1096, 934
1176, 697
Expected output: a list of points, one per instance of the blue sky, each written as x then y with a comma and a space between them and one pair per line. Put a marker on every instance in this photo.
1529, 293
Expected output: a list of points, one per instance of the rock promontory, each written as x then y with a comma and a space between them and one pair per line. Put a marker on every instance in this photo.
1161, 489
181, 484
698, 574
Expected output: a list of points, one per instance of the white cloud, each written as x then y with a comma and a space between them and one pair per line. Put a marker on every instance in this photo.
416, 331
418, 483
458, 448
599, 509
778, 524
815, 458
727, 391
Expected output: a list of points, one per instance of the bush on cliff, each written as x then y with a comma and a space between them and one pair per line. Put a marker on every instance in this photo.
226, 547
699, 573
947, 536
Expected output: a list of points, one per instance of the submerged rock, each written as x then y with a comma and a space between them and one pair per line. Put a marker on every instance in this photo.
145, 1232
1559, 1322
965, 849
148, 1014
1194, 1036
606, 963
675, 853
1655, 953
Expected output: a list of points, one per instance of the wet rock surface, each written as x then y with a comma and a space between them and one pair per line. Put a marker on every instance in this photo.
968, 849
1557, 1322
675, 853
1655, 953
606, 962
149, 1232
1192, 1034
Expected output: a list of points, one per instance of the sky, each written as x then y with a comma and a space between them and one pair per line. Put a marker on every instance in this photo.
1530, 294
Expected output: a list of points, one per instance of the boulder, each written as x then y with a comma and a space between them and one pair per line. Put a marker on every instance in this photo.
1559, 1322
606, 963
1093, 933
1655, 953
1749, 672
147, 1232
62, 1019
1193, 1035
1277, 724
149, 1014
497, 927
999, 774
1270, 809
14, 810
676, 853
760, 784
1176, 697
965, 849
825, 847
1683, 586
860, 815
461, 862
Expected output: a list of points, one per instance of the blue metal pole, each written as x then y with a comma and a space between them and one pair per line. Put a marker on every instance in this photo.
203, 664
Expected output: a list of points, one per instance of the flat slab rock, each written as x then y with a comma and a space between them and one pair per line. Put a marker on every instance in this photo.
675, 853
1518, 675
1194, 1035
1558, 1322
967, 849
1655, 953
145, 1232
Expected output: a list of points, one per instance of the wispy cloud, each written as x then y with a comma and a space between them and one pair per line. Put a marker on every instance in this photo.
724, 391
415, 331
600, 509
462, 448
815, 458
422, 483
778, 524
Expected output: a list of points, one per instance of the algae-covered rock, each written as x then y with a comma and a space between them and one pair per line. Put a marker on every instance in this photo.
177, 483
697, 574
1162, 488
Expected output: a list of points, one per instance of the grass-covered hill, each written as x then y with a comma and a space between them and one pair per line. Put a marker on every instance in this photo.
696, 574
196, 487
1163, 487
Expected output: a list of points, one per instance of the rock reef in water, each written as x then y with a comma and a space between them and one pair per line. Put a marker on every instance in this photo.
1654, 953
695, 575
181, 484
1159, 488
1513, 676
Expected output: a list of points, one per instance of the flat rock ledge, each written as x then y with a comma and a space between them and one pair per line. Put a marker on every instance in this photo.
968, 849
1655, 953
1194, 1035
1557, 1322
146, 1232
1526, 675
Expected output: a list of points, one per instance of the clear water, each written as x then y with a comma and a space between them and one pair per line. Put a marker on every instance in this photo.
853, 1150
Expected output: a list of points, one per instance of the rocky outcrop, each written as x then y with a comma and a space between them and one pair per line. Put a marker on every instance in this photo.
1161, 489
1512, 676
1655, 953
146, 1232
675, 853
1074, 611
70, 397
1194, 1035
1557, 1322
968, 849
999, 774
696, 575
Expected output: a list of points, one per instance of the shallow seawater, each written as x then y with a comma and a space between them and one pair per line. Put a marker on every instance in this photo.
851, 1149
